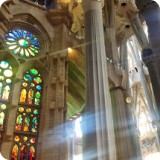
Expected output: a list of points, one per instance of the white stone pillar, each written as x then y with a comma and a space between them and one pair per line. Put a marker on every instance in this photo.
99, 131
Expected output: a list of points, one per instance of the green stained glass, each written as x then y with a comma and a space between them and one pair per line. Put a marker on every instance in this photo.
1, 89
37, 99
38, 95
33, 71
37, 80
27, 77
34, 124
36, 111
26, 124
22, 43
19, 120
32, 85
21, 54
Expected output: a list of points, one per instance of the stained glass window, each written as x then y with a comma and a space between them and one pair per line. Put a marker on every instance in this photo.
22, 43
31, 88
28, 113
6, 76
24, 147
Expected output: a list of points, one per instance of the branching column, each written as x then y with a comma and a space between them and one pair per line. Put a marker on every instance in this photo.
99, 130
151, 12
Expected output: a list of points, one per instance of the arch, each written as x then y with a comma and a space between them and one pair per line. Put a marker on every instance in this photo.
28, 114
33, 64
31, 23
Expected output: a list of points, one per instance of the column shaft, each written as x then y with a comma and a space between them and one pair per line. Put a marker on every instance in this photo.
100, 139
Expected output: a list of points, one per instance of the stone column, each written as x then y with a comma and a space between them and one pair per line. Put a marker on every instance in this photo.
99, 130
53, 139
151, 57
151, 12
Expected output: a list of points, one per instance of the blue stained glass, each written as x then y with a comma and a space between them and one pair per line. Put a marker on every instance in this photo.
27, 77
22, 43
34, 42
38, 87
35, 39
37, 47
24, 34
10, 39
29, 35
11, 35
15, 33
20, 33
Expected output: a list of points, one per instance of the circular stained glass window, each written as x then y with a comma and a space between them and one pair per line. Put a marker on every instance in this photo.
22, 43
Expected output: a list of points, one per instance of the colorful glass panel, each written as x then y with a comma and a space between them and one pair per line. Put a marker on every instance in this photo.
2, 116
30, 96
23, 96
14, 154
34, 124
27, 120
26, 124
6, 76
22, 43
3, 111
31, 87
6, 92
24, 148
19, 123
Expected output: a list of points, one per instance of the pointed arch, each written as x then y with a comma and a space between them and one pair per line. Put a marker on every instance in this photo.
28, 114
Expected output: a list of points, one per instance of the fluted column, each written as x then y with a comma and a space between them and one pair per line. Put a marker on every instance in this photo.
99, 131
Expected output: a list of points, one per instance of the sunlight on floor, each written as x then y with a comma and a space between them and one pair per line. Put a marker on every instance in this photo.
153, 156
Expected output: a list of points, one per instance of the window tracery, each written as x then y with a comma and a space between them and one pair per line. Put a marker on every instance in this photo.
6, 76
22, 43
27, 118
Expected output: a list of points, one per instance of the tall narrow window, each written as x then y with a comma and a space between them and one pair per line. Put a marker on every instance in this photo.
27, 119
6, 76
